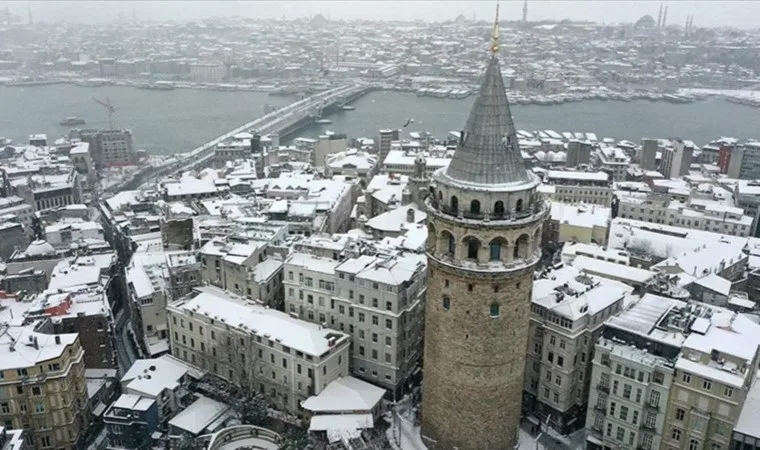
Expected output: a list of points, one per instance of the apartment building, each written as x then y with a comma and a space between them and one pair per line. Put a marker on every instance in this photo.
567, 312
255, 347
681, 370
633, 370
225, 262
378, 300
588, 224
612, 160
42, 385
695, 213
714, 372
580, 187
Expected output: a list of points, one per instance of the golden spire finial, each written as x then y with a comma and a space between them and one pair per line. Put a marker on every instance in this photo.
495, 37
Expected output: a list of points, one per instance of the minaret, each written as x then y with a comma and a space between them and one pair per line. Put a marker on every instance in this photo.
659, 18
686, 28
484, 230
29, 11
665, 17
525, 11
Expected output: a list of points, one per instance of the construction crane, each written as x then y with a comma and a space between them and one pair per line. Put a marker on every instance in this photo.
109, 109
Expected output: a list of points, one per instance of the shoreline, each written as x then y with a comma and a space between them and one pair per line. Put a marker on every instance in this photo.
685, 95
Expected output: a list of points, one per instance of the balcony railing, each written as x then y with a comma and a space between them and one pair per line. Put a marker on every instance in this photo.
603, 387
247, 434
652, 406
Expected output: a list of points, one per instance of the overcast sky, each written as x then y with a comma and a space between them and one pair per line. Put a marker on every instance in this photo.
744, 14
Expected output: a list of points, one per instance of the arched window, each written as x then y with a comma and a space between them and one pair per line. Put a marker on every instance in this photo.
452, 245
518, 206
475, 207
472, 248
495, 248
440, 196
454, 203
494, 310
498, 208
521, 247
446, 302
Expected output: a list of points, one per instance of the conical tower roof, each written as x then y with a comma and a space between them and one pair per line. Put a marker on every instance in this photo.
488, 152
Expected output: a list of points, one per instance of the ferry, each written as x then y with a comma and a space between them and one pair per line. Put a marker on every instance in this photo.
323, 121
347, 108
72, 121
157, 86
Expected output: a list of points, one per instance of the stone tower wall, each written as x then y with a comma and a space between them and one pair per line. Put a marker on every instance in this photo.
473, 363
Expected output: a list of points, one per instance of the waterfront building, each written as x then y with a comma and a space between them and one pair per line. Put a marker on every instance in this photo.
384, 140
484, 231
578, 152
612, 160
328, 144
108, 148
676, 160
257, 348
648, 156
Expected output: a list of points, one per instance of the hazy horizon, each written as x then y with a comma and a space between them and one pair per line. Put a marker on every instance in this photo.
740, 14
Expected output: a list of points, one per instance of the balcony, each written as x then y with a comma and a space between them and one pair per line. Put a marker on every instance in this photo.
648, 427
652, 406
601, 408
603, 387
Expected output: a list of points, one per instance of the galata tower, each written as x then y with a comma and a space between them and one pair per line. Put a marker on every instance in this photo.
485, 221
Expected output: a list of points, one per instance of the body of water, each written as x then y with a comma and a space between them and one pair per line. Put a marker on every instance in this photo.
162, 122
700, 122
166, 122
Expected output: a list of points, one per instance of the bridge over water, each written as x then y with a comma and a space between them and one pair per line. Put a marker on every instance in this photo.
283, 120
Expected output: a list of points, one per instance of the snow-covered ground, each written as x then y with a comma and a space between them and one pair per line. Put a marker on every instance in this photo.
403, 434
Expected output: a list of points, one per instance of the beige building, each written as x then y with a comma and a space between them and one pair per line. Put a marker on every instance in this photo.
592, 188
695, 214
225, 262
578, 223
258, 348
568, 309
42, 386
379, 301
671, 375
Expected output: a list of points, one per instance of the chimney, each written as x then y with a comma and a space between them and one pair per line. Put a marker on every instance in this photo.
410, 215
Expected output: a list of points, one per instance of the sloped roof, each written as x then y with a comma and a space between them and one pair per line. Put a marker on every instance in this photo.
489, 153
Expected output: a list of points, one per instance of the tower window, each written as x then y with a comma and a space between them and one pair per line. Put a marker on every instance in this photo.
519, 205
498, 208
495, 248
472, 248
446, 303
475, 207
452, 245
494, 310
454, 203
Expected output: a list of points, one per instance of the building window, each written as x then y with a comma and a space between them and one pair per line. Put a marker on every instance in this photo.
676, 435
454, 204
452, 245
728, 392
519, 205
472, 248
446, 303
475, 207
686, 377
680, 413
706, 385
494, 310
498, 208
693, 444
495, 248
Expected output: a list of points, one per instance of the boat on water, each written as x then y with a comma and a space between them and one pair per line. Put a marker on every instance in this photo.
157, 86
72, 121
347, 108
323, 121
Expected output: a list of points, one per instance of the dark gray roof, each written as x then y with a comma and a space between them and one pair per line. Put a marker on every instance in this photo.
488, 152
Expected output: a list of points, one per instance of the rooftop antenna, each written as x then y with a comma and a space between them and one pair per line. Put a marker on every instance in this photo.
495, 37
525, 11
